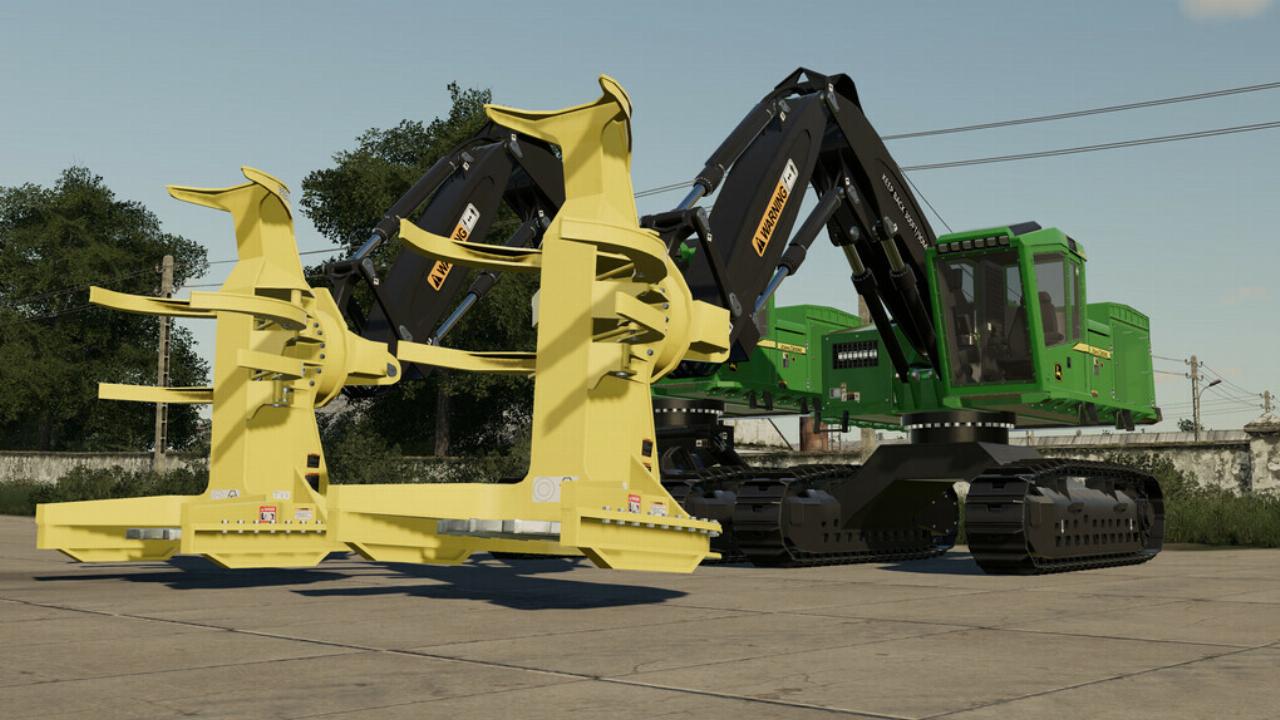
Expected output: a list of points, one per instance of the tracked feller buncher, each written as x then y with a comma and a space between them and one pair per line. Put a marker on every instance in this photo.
613, 316
973, 334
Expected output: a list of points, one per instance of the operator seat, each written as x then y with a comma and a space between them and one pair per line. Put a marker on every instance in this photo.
1049, 318
1016, 364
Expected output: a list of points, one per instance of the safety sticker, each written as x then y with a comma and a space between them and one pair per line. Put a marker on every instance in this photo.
633, 503
280, 495
304, 514
658, 508
773, 212
461, 233
267, 513
223, 494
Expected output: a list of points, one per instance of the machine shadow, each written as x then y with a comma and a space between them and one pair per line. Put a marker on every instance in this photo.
516, 584
510, 582
952, 563
196, 573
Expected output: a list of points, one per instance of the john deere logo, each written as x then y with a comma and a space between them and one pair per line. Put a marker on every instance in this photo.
773, 212
462, 233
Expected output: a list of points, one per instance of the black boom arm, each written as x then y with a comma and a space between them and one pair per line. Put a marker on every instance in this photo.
810, 130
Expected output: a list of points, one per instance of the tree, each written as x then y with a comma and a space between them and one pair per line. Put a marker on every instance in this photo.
55, 347
1187, 425
447, 413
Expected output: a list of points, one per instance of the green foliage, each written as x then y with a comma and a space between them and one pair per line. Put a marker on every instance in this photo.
346, 200
19, 497
507, 464
356, 454
1210, 515
54, 346
485, 412
16, 496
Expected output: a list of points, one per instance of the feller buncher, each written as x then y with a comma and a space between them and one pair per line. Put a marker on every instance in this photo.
613, 315
958, 355
973, 334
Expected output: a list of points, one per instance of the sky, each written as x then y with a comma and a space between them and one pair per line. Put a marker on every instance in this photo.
147, 94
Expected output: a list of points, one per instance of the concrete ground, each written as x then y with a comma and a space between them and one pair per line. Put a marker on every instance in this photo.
1194, 634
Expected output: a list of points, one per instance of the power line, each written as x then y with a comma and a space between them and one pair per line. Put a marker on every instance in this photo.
1195, 135
1219, 413
936, 214
1231, 383
308, 252
1215, 402
1239, 392
662, 189
74, 288
50, 316
126, 276
1253, 401
1090, 111
1119, 144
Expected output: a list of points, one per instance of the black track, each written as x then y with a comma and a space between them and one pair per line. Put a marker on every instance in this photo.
751, 505
768, 535
1002, 501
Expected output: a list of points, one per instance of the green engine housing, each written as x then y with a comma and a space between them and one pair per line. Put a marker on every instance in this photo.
1015, 334
785, 373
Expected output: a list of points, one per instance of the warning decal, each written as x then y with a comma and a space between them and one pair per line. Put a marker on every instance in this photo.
773, 212
267, 513
462, 233
633, 503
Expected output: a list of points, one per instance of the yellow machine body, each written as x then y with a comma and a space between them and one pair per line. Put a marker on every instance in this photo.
613, 316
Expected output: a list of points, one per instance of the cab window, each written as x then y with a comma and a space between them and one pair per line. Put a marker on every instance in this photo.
984, 318
1058, 285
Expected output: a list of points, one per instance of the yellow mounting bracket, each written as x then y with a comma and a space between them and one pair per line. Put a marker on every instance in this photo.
282, 350
613, 316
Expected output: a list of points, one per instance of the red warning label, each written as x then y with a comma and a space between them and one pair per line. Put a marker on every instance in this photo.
633, 503
267, 513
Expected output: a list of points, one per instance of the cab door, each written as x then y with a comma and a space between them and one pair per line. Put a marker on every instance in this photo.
1060, 302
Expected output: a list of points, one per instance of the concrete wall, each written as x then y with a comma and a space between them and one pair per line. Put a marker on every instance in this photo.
1222, 458
49, 466
1246, 460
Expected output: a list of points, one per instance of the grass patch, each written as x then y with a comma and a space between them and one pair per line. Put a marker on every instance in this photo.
1202, 515
20, 497
1210, 515
16, 496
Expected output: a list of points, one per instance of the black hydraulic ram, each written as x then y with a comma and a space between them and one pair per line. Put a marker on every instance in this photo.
459, 197
524, 236
798, 248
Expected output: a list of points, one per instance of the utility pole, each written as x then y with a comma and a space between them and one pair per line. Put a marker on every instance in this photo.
1195, 396
162, 368
1196, 391
1266, 402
